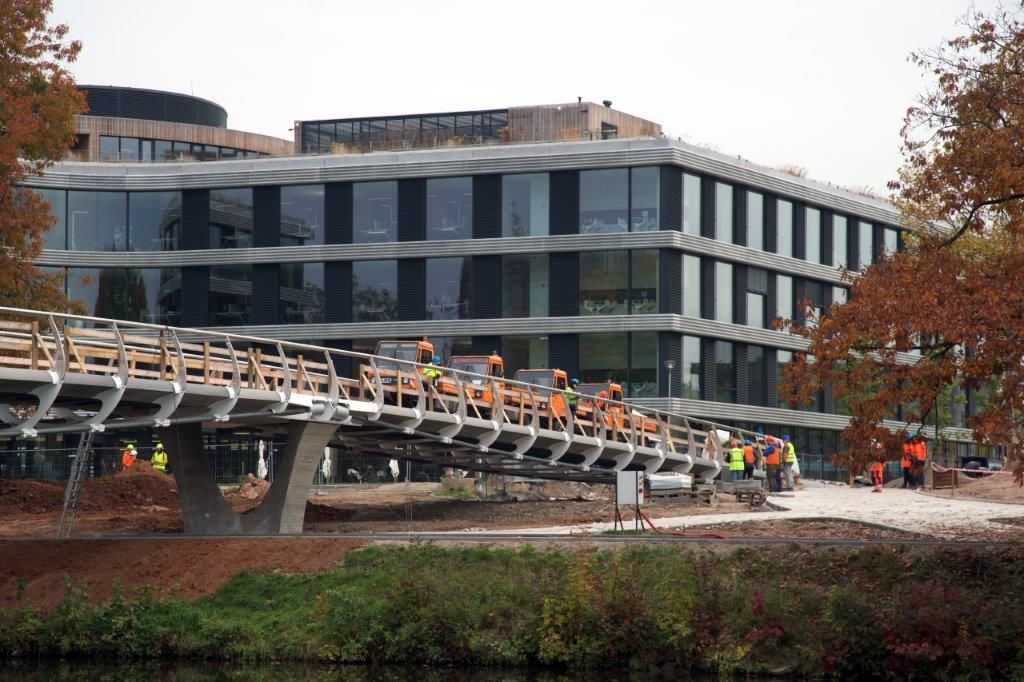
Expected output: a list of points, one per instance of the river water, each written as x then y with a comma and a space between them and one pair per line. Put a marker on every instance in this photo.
217, 671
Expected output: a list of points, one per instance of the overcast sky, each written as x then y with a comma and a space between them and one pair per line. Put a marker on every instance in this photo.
821, 84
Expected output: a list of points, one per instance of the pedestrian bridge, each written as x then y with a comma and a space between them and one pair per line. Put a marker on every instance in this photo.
65, 373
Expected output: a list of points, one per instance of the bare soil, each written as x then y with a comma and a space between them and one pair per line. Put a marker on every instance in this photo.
787, 528
32, 572
995, 488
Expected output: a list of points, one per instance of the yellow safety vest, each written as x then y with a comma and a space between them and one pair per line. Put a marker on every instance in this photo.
159, 460
790, 453
736, 459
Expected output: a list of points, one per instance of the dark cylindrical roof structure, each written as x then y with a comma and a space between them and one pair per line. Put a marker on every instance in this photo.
153, 105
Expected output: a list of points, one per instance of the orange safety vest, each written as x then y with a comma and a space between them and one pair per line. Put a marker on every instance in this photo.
921, 451
908, 453
772, 459
748, 454
876, 467
127, 458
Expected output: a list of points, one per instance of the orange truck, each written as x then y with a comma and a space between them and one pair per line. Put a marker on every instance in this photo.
421, 351
477, 388
612, 410
548, 402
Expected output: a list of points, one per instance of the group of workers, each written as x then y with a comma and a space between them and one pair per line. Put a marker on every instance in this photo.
158, 460
777, 457
912, 461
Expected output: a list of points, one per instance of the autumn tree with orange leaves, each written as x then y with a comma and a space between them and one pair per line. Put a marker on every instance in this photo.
956, 293
38, 101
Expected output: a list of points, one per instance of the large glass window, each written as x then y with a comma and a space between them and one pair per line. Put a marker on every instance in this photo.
374, 290
156, 295
604, 357
691, 204
154, 221
56, 237
690, 368
723, 292
691, 286
839, 257
784, 213
302, 215
97, 221
130, 149
782, 358
524, 286
813, 242
162, 150
230, 294
645, 199
302, 293
525, 205
109, 150
643, 365
231, 218
524, 352
866, 243
725, 372
723, 212
604, 200
755, 220
784, 297
604, 282
891, 241
757, 377
449, 208
447, 346
103, 291
838, 295
755, 309
449, 288
374, 212
644, 282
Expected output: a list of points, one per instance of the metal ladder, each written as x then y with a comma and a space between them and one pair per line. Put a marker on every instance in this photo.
79, 470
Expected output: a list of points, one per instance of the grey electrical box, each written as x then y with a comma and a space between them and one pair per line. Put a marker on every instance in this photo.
629, 487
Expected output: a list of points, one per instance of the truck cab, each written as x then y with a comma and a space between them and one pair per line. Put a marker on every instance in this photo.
421, 351
548, 402
602, 394
477, 388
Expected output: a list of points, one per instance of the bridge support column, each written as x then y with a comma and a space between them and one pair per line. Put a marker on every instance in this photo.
203, 507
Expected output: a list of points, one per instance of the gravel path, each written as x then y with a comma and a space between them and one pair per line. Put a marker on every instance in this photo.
895, 508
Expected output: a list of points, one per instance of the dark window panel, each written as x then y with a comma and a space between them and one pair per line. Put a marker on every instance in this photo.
565, 193
266, 216
563, 290
412, 210
301, 218
707, 207
374, 212
338, 213
563, 353
486, 206
486, 288
375, 286
671, 198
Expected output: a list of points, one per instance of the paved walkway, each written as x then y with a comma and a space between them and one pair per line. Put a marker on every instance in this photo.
895, 508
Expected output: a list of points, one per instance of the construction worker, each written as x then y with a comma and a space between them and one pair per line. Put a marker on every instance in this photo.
128, 456
771, 462
736, 461
905, 463
876, 476
748, 459
570, 393
159, 458
920, 455
433, 371
788, 459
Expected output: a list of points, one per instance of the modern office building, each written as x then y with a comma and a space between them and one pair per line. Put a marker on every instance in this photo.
642, 260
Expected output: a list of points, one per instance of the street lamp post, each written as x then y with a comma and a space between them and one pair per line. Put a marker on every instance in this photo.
670, 365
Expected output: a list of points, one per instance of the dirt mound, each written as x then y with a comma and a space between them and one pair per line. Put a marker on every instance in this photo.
248, 495
30, 497
994, 488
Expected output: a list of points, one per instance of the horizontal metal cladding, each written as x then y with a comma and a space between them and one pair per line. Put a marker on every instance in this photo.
461, 161
665, 239
153, 105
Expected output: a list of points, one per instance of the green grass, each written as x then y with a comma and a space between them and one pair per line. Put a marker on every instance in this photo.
847, 614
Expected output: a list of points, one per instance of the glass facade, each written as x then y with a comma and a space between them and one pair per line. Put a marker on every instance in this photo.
230, 295
628, 359
691, 286
782, 358
891, 240
403, 132
755, 309
302, 215
784, 213
231, 218
374, 212
839, 251
643, 365
723, 292
97, 221
725, 372
524, 286
154, 221
723, 212
525, 205
449, 208
374, 291
784, 297
865, 243
104, 292
302, 293
644, 282
690, 368
813, 241
156, 296
604, 200
645, 199
691, 204
618, 282
755, 220
523, 352
142, 150
56, 236
449, 288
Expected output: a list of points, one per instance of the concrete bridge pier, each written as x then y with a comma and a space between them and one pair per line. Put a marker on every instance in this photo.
204, 510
